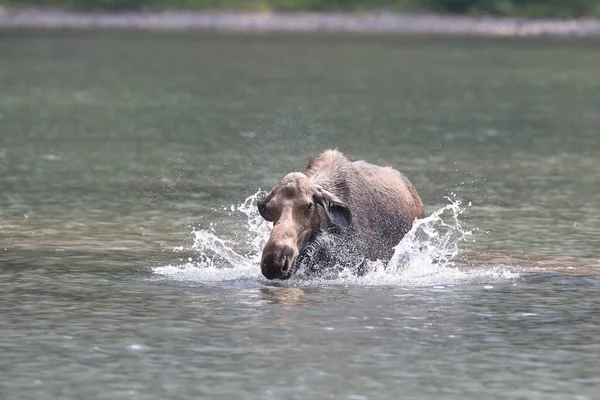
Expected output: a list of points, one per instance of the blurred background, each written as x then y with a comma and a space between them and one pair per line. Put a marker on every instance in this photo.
537, 8
113, 136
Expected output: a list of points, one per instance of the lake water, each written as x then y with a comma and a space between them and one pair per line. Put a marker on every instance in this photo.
129, 164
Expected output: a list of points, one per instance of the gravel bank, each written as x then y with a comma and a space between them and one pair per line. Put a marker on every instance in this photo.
301, 22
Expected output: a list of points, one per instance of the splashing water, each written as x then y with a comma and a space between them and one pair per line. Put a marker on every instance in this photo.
425, 256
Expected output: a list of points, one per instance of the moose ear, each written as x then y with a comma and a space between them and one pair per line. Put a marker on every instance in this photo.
337, 212
261, 204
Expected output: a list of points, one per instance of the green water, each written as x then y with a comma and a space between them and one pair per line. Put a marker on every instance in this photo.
113, 146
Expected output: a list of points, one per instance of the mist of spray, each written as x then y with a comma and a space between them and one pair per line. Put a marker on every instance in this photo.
425, 256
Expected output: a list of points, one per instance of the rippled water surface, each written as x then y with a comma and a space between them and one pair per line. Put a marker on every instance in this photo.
130, 164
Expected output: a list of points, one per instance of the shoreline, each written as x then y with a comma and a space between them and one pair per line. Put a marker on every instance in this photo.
384, 23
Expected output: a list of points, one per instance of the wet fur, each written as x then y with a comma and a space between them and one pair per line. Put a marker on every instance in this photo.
383, 202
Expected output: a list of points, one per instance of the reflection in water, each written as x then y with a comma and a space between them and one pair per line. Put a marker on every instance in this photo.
289, 297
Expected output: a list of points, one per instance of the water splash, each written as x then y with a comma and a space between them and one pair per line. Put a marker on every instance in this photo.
221, 260
425, 256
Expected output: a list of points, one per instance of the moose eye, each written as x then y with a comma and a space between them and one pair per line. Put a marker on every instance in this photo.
310, 206
262, 209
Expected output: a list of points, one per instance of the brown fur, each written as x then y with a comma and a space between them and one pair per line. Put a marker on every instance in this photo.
382, 204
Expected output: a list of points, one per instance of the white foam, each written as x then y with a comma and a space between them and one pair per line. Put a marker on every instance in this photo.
197, 272
424, 257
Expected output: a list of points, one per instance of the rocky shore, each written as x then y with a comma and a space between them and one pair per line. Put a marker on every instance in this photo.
300, 22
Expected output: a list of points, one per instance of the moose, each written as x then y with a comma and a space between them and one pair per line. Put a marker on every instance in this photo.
336, 213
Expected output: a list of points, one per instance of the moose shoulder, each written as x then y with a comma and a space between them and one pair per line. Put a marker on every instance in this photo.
367, 209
